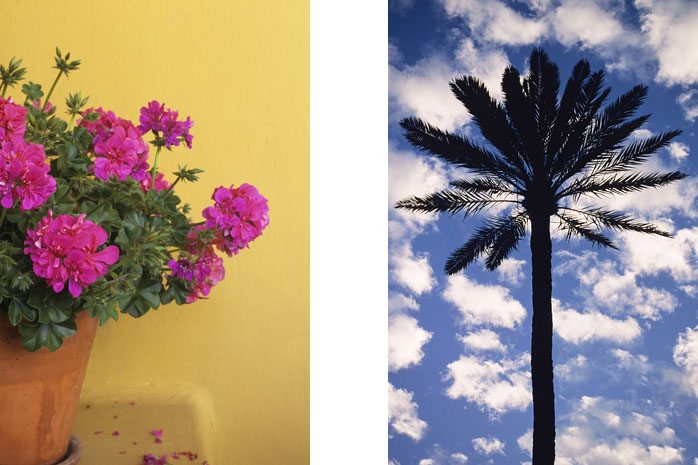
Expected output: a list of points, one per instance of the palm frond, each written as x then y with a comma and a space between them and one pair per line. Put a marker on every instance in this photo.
457, 150
569, 101
575, 227
490, 116
635, 154
488, 185
482, 240
616, 221
507, 241
607, 132
623, 107
542, 86
452, 201
620, 183
600, 143
592, 97
522, 117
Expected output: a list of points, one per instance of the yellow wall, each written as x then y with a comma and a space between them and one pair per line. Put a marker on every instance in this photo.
241, 70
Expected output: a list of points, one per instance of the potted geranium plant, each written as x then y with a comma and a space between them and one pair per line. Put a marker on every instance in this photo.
89, 229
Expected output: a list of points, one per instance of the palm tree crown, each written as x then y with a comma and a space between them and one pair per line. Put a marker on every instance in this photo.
545, 153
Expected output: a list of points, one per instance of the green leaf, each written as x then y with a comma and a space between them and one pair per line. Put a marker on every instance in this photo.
16, 311
49, 335
105, 216
147, 296
31, 339
32, 91
52, 307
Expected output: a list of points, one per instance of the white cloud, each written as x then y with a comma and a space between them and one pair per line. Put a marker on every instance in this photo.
488, 446
669, 28
585, 22
484, 339
496, 22
631, 452
641, 134
651, 255
603, 287
410, 270
486, 64
637, 363
499, 386
688, 101
439, 455
613, 432
686, 357
410, 174
573, 369
398, 302
483, 304
422, 90
403, 416
510, 271
621, 292
406, 340
525, 441
576, 328
678, 150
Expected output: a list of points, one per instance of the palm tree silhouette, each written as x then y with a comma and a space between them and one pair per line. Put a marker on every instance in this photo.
545, 155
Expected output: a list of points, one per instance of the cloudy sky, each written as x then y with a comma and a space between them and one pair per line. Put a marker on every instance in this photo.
626, 325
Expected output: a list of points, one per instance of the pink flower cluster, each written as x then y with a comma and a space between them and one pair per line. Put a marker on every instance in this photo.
64, 248
161, 183
119, 149
200, 265
239, 215
164, 123
12, 120
24, 175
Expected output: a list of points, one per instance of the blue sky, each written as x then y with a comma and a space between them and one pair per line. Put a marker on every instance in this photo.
626, 322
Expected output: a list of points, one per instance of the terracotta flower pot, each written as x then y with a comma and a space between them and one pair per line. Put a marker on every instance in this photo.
39, 394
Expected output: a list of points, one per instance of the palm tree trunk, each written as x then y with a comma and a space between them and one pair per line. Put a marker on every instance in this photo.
542, 343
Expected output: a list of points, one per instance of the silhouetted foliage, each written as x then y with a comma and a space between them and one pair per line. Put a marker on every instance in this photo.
544, 153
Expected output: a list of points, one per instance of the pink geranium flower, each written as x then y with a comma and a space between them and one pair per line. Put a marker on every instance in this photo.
24, 175
161, 183
200, 265
165, 123
239, 215
119, 149
12, 120
64, 249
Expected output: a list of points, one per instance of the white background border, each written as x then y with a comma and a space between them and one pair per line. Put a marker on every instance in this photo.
348, 232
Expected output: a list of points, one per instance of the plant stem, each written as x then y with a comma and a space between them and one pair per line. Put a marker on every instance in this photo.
155, 166
72, 120
169, 189
3, 215
53, 86
4, 89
